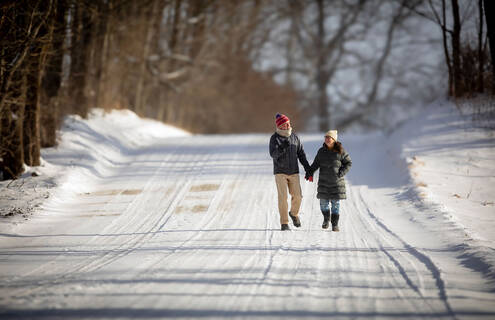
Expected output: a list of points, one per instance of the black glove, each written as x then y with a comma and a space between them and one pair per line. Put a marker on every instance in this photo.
308, 174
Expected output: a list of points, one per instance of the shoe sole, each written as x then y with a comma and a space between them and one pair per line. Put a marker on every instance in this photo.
294, 221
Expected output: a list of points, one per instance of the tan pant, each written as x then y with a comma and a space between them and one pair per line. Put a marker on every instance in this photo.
290, 182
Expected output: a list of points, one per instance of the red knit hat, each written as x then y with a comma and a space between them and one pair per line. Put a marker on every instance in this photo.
280, 119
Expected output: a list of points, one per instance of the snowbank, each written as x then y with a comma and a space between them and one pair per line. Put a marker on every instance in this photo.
87, 148
451, 162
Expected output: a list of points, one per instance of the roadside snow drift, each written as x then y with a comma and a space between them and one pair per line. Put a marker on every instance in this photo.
135, 219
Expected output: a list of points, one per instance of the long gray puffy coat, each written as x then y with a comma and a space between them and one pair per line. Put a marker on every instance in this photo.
285, 152
333, 167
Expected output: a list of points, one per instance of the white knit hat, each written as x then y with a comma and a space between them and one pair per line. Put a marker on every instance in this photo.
332, 133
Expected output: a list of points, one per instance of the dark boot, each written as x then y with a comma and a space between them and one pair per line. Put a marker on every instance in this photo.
326, 218
285, 227
295, 220
335, 222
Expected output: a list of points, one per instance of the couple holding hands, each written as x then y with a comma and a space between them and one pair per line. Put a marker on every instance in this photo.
332, 160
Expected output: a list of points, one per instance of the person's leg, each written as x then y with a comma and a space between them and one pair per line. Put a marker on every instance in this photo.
296, 198
335, 215
335, 206
295, 193
282, 184
325, 210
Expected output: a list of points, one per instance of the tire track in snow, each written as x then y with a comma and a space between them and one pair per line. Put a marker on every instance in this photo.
144, 230
60, 271
385, 246
234, 257
211, 218
195, 168
147, 231
110, 239
137, 224
362, 236
382, 245
430, 265
206, 220
420, 257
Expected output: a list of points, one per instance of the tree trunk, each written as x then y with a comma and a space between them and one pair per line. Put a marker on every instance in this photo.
481, 55
383, 58
139, 101
490, 24
175, 29
100, 37
18, 35
81, 38
155, 95
289, 73
446, 51
31, 127
18, 38
12, 153
52, 77
34, 67
321, 77
197, 12
456, 50
104, 96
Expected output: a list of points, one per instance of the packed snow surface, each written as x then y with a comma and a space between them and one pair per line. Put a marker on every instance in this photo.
130, 218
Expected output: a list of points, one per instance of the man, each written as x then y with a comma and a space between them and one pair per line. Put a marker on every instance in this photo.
286, 149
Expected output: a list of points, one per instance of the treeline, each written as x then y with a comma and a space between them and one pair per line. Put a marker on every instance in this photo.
197, 63
184, 62
360, 58
468, 33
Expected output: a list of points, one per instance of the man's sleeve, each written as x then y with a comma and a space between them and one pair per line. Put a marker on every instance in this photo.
302, 155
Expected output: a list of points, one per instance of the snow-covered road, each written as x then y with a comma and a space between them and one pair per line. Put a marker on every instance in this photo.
187, 227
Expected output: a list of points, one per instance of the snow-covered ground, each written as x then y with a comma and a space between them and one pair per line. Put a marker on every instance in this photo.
129, 218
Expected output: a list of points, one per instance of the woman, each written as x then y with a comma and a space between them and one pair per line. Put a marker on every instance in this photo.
334, 162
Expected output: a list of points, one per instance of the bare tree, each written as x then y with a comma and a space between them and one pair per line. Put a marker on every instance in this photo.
481, 50
489, 7
338, 41
324, 48
466, 66
21, 66
81, 31
456, 50
369, 104
52, 76
185, 61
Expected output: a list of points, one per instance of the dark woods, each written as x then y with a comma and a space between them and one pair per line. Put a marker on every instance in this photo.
468, 58
184, 62
191, 63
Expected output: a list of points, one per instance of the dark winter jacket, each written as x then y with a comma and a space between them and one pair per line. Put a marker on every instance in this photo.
285, 151
333, 167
